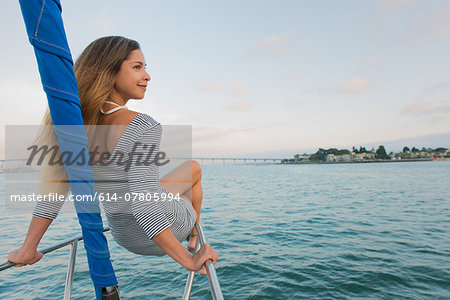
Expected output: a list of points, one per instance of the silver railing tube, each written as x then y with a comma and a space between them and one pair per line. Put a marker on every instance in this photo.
70, 270
190, 278
48, 249
214, 285
216, 292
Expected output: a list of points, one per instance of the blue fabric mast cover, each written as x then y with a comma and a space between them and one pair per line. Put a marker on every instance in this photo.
46, 33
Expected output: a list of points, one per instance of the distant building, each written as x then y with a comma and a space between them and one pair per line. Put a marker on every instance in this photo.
344, 157
331, 158
424, 154
350, 157
339, 158
363, 156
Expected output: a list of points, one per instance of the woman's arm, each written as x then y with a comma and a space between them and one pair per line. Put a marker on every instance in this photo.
167, 242
27, 254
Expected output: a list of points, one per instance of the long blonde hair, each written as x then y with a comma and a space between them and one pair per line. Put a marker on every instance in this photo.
95, 70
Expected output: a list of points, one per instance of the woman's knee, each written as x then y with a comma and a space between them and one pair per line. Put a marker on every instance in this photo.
196, 169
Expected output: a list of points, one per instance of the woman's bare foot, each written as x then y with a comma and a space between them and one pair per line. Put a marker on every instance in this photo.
191, 248
192, 241
203, 270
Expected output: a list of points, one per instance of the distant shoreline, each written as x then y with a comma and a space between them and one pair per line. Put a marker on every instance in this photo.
309, 162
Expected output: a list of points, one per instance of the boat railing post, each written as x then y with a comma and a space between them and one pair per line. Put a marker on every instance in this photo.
73, 242
190, 278
70, 270
214, 285
212, 276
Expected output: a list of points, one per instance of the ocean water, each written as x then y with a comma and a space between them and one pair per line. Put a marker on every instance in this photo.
340, 231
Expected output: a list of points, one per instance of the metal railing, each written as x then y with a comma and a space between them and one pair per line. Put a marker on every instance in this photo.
73, 242
214, 285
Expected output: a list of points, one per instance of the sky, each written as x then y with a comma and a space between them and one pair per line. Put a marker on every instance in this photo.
264, 78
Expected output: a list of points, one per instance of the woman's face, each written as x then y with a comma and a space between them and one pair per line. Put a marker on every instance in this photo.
131, 81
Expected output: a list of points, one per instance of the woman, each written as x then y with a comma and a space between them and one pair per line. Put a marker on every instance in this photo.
109, 72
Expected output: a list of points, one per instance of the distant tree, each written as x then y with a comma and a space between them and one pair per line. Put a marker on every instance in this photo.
406, 149
320, 155
355, 150
362, 149
381, 153
332, 151
372, 150
440, 149
343, 151
414, 149
423, 149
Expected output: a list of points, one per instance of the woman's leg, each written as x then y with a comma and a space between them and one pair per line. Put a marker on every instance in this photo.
186, 180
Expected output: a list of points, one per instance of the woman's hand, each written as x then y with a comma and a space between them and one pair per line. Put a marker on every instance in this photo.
27, 254
204, 253
22, 257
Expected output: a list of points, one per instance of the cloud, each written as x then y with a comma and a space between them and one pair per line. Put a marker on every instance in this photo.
416, 108
235, 89
443, 87
318, 89
354, 85
296, 72
207, 133
24, 103
275, 46
370, 61
436, 26
240, 89
392, 5
17, 94
171, 118
428, 108
210, 133
239, 105
373, 60
293, 103
434, 101
210, 86
104, 23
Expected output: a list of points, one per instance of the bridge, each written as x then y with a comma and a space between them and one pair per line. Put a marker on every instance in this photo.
17, 164
234, 160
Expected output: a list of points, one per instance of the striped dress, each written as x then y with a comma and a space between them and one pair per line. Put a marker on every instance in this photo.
135, 222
